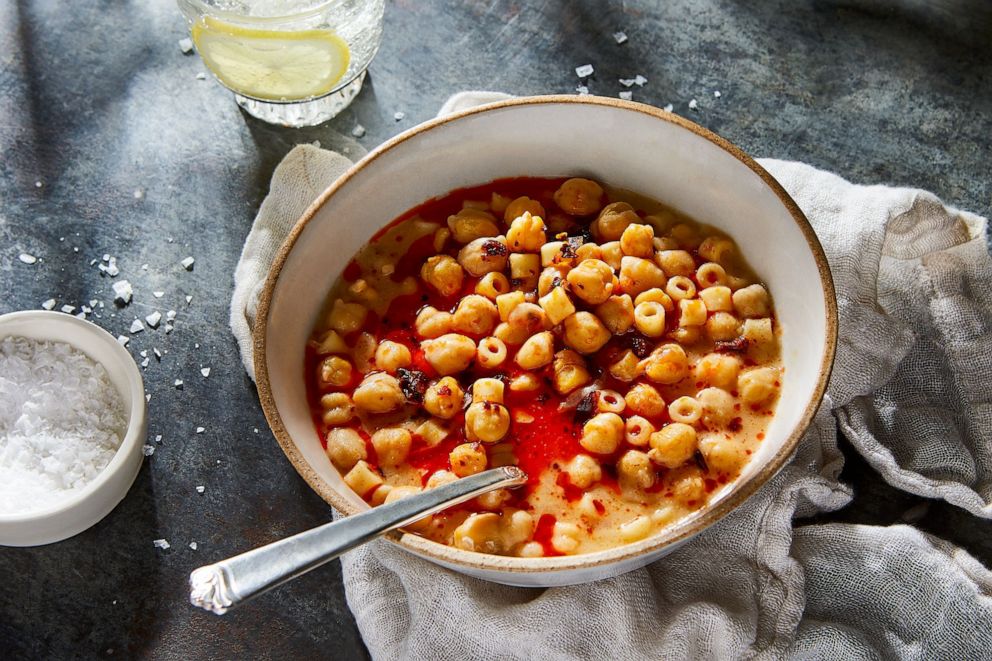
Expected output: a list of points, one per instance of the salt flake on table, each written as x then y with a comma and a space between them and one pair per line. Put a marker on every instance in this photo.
398, 115
584, 71
186, 45
137, 326
192, 545
200, 489
123, 339
201, 76
170, 315
620, 36
626, 96
188, 263
717, 94
358, 131
144, 353
168, 328
158, 294
147, 450
158, 354
154, 319
158, 438
161, 544
639, 80
26, 258
189, 299
49, 304
205, 372
627, 82
68, 309
178, 383
122, 292
668, 108
144, 363
138, 194
693, 104
582, 90
200, 430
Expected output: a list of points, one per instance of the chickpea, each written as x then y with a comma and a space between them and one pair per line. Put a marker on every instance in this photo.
716, 249
338, 408
363, 353
751, 301
579, 197
565, 537
722, 326
526, 233
510, 335
492, 285
649, 319
480, 532
613, 220
444, 398
493, 500
583, 471
718, 370
667, 364
467, 459
330, 341
693, 313
676, 262
688, 486
486, 422
635, 470
379, 393
488, 390
484, 255
718, 407
528, 318
587, 251
687, 235
498, 203
587, 507
525, 383
470, 224
345, 447
723, 455
616, 313
570, 371
443, 273
537, 351
518, 527
520, 206
549, 280
638, 241
491, 352
638, 275
531, 550
401, 492
626, 368
636, 529
611, 253
602, 433
449, 354
475, 315
392, 445
638, 430
585, 333
758, 385
390, 356
432, 323
644, 399
347, 318
440, 478
334, 372
441, 237
673, 445
592, 281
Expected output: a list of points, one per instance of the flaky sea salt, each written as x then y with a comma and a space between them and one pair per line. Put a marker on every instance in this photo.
200, 489
161, 543
192, 545
122, 292
693, 104
626, 96
205, 372
49, 304
187, 263
148, 450
186, 45
154, 319
584, 71
26, 258
620, 36
61, 422
137, 326
358, 131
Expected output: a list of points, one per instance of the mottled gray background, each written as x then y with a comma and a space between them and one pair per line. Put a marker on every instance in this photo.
97, 101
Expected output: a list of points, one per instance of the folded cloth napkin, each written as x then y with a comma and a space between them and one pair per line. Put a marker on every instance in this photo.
910, 389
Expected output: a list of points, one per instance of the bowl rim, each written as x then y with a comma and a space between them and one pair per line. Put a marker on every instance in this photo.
133, 436
668, 537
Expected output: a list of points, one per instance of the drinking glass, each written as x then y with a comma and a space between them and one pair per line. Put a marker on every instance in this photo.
289, 62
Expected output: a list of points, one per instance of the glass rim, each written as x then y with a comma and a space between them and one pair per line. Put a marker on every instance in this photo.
205, 8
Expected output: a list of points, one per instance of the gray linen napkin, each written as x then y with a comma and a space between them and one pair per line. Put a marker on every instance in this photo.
911, 390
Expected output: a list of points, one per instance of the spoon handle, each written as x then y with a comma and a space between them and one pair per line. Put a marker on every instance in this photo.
225, 584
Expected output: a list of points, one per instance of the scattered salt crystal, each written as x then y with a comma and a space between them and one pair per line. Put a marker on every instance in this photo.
106, 257
398, 115
192, 545
158, 354
693, 104
147, 450
38, 184
201, 489
201, 76
168, 328
158, 438
61, 422
205, 372
123, 339
188, 263
111, 268
49, 304
137, 326
256, 430
161, 544
584, 71
158, 294
582, 90
358, 131
189, 299
144, 363
148, 397
86, 309
200, 430
178, 383
144, 353
122, 292
170, 315
93, 302
627, 82
138, 194
68, 309
717, 94
626, 96
669, 108
639, 80
144, 267
26, 258
196, 345
186, 45
80, 315
154, 319
619, 36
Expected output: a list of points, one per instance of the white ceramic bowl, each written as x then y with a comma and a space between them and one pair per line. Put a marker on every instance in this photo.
95, 500
624, 144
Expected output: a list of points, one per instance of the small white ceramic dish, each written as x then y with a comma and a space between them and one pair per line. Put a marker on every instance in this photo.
84, 507
624, 144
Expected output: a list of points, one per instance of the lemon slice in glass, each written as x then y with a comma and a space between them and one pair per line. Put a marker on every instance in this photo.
272, 65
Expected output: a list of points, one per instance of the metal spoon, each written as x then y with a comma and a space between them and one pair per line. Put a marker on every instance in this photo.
225, 584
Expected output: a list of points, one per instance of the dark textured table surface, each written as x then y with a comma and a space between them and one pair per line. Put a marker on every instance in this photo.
109, 144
